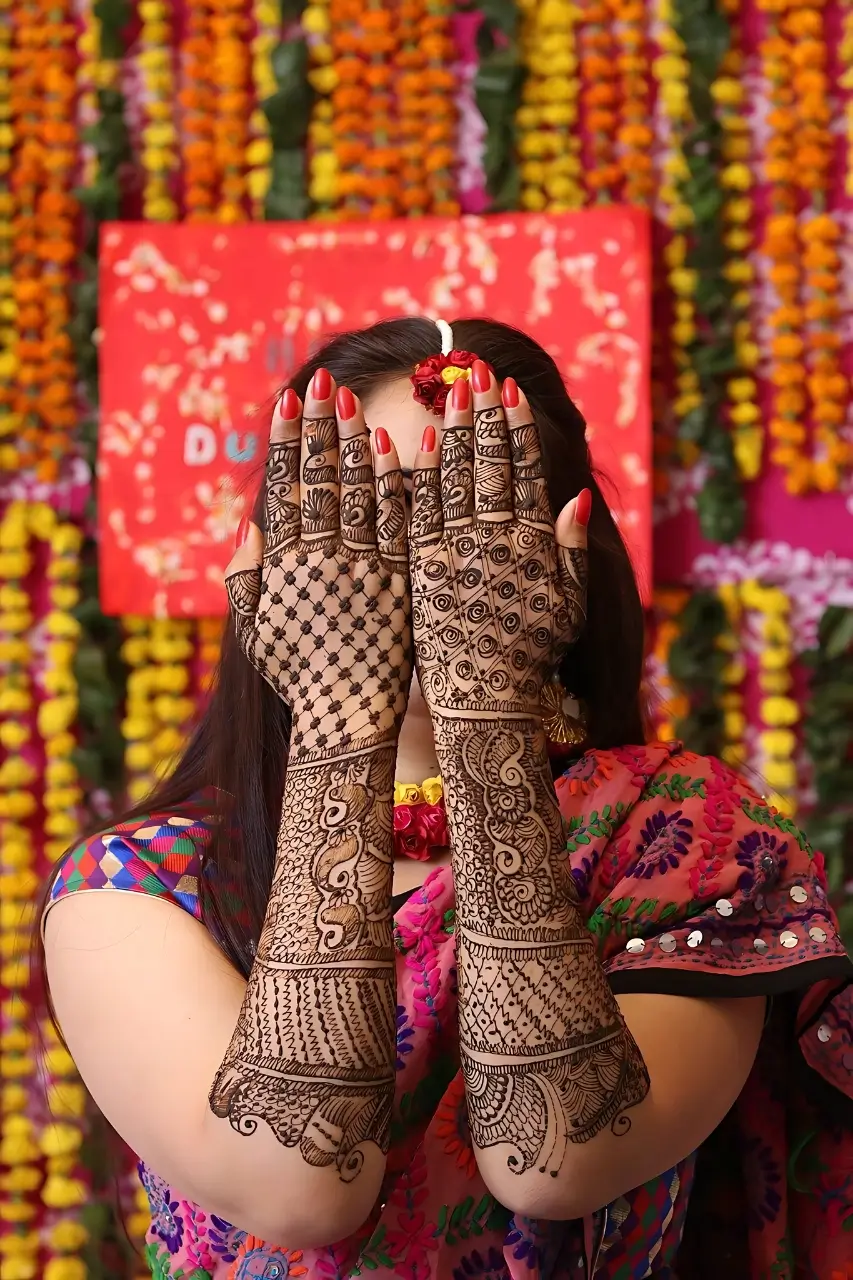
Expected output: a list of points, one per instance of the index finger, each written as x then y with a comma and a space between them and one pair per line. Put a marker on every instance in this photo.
282, 474
531, 502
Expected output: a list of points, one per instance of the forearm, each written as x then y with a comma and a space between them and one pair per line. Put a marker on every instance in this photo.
312, 1056
547, 1058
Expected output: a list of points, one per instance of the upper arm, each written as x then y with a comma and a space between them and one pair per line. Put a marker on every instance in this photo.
148, 1005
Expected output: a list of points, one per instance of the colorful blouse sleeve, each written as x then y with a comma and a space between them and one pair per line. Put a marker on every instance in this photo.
159, 855
694, 886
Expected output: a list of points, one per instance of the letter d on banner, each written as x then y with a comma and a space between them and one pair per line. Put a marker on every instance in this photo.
199, 445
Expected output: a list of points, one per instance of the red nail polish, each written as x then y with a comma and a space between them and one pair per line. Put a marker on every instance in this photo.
460, 396
322, 385
346, 404
481, 375
383, 444
583, 510
289, 407
510, 393
428, 442
242, 532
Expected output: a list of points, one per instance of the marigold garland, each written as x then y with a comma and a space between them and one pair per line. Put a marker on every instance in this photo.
19, 1153
159, 135
9, 421
778, 710
742, 408
845, 82
599, 96
549, 142
267, 21
671, 703
197, 99
733, 677
635, 135
780, 246
42, 105
323, 129
233, 104
434, 144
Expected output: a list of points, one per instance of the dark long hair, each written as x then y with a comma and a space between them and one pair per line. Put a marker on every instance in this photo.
240, 743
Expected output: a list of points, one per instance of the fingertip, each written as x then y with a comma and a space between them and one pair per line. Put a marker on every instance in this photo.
254, 541
568, 530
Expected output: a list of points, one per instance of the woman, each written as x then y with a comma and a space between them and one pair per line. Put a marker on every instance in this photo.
593, 1037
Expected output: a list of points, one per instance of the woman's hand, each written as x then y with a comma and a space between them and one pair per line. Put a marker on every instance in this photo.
322, 606
498, 594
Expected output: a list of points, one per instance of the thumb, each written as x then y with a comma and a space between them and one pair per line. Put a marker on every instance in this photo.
571, 535
243, 575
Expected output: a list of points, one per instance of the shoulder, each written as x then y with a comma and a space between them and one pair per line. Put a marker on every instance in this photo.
157, 854
657, 810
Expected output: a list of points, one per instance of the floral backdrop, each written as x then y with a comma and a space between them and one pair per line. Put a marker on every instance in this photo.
730, 121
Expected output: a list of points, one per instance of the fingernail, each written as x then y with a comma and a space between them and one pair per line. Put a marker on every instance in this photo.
583, 510
481, 375
346, 404
460, 396
510, 393
321, 387
289, 407
428, 442
242, 532
383, 444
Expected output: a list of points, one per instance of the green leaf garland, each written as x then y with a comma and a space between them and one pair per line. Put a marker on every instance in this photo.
497, 90
696, 664
288, 113
721, 505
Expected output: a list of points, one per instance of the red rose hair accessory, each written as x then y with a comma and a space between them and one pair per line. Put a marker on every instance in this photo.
434, 376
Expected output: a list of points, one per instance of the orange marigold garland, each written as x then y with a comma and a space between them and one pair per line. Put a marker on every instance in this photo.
780, 246
635, 136
8, 310
826, 384
549, 143
197, 99
438, 108
230, 26
599, 100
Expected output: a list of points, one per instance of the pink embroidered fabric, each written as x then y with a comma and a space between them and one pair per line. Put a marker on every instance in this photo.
692, 886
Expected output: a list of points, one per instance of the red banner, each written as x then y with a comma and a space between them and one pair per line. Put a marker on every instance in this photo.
202, 324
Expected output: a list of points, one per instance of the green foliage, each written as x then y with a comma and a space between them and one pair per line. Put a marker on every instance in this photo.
288, 113
696, 664
721, 506
497, 88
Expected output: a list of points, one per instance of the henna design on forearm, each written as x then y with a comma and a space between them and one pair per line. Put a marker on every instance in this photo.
313, 1052
546, 1055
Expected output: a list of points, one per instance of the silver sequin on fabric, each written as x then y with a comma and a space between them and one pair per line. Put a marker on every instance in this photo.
667, 943
760, 946
824, 1033
759, 902
716, 943
817, 934
724, 907
635, 946
788, 939
798, 894
694, 939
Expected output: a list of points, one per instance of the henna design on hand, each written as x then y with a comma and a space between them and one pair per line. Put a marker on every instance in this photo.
313, 1052
546, 1055
427, 516
282, 504
492, 473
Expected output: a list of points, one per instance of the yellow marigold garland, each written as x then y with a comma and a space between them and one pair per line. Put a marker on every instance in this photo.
736, 179
322, 137
267, 21
549, 141
19, 1152
159, 134
778, 710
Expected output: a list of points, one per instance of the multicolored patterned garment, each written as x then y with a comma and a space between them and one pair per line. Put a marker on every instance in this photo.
692, 887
